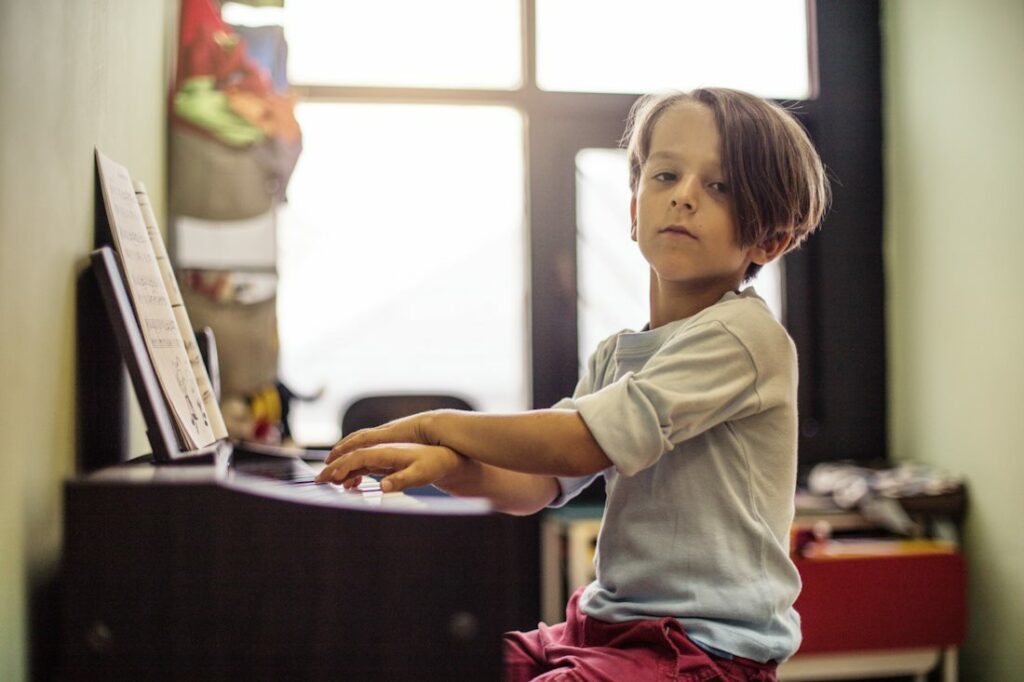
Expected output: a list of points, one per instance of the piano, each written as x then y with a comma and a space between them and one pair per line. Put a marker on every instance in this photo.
220, 571
227, 563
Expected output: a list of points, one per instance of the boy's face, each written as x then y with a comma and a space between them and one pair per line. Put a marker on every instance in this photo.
682, 214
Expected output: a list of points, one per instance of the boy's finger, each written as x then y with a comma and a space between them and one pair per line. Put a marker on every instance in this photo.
394, 483
398, 431
409, 477
364, 461
354, 441
338, 450
328, 476
343, 446
339, 470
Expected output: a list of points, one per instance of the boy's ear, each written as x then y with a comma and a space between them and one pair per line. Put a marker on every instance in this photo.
770, 249
632, 217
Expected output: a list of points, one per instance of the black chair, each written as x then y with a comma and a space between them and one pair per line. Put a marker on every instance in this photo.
374, 410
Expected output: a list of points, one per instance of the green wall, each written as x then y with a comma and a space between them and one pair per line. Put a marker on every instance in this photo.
74, 74
954, 127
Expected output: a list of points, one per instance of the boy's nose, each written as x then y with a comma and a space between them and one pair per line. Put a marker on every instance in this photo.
685, 196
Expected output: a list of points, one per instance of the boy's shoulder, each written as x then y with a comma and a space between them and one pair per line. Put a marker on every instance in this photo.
745, 316
608, 345
738, 307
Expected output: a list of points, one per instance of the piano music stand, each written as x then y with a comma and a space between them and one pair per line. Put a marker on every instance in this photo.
163, 438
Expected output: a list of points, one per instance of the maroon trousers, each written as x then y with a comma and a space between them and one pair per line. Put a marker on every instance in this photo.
587, 649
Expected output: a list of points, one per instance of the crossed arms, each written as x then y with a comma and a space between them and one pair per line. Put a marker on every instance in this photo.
512, 459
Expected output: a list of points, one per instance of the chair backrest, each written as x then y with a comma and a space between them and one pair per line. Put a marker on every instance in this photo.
374, 410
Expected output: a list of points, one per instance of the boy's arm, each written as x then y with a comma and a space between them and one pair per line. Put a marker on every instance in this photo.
405, 465
509, 491
550, 442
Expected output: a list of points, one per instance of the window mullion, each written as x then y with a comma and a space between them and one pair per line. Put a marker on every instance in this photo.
529, 45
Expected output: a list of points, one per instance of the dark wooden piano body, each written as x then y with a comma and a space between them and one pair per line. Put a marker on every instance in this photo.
191, 572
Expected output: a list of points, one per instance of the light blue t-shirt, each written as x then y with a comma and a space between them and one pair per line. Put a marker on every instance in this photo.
699, 420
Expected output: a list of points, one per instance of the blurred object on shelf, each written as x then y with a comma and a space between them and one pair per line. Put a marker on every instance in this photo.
907, 499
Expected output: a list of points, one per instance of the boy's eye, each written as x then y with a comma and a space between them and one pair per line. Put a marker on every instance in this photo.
665, 176
720, 187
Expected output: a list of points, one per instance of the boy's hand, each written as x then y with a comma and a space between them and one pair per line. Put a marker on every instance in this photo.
404, 430
405, 465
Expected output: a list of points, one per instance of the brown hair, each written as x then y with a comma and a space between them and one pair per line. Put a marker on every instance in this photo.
775, 177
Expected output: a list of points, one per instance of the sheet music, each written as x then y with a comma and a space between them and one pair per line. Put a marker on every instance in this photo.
152, 305
188, 336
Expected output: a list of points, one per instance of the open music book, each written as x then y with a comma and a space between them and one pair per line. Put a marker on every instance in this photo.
161, 314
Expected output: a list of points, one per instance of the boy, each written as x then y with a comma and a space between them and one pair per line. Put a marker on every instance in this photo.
692, 421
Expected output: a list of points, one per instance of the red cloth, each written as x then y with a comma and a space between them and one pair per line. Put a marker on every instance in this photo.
196, 15
884, 602
208, 47
584, 648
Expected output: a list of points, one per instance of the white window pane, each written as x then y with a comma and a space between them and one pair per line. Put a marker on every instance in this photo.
612, 276
402, 258
240, 14
656, 45
769, 285
404, 43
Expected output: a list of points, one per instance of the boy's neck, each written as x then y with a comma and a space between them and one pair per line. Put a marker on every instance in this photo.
671, 302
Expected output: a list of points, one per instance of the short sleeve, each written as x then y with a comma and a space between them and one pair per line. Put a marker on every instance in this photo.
701, 377
570, 487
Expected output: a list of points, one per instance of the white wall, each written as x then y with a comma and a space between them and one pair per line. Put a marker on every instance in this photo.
954, 128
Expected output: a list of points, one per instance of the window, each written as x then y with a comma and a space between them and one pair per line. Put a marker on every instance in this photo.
449, 174
653, 45
402, 258
405, 43
611, 275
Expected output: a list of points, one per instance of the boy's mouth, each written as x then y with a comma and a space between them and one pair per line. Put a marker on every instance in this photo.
680, 230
